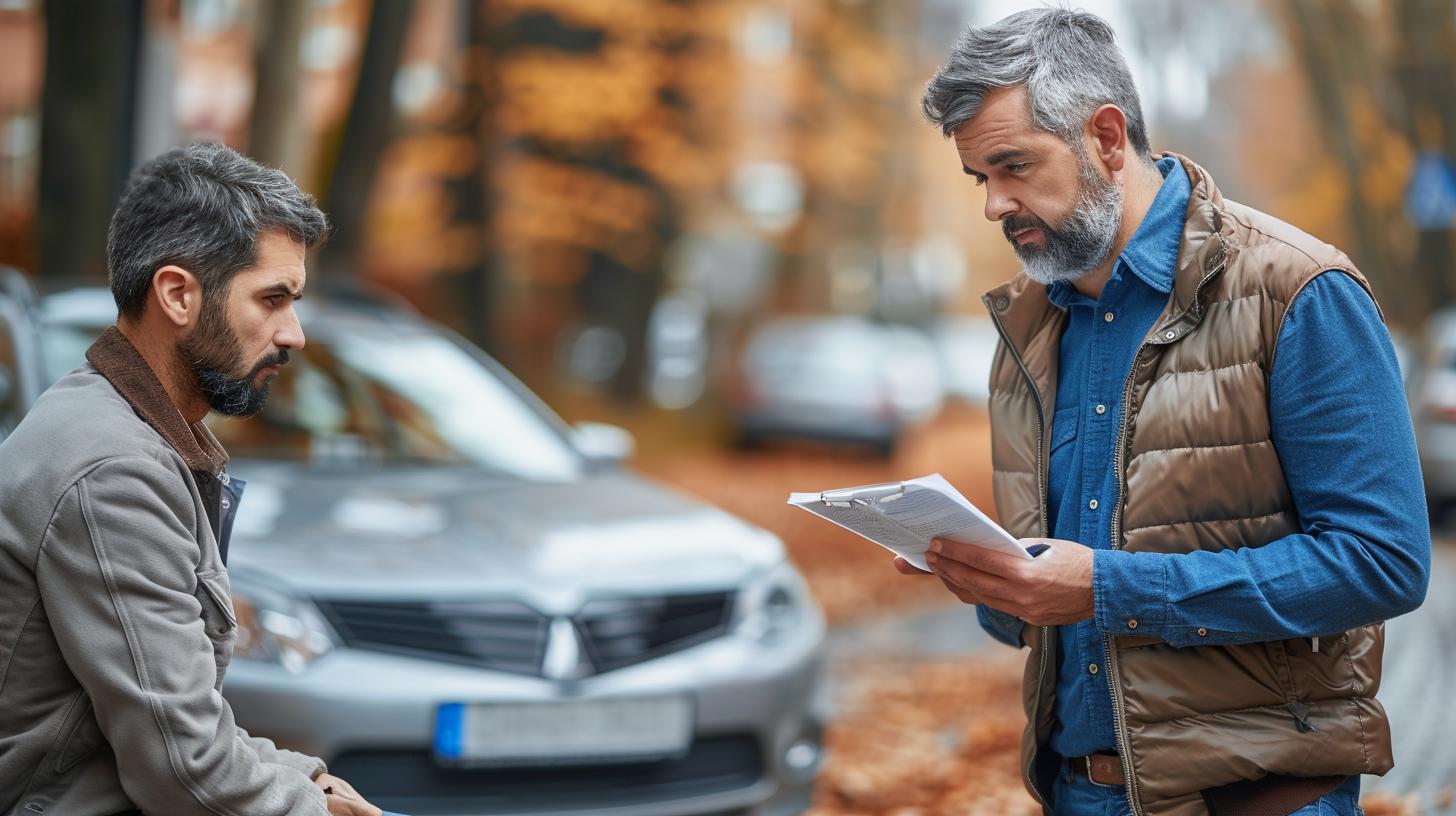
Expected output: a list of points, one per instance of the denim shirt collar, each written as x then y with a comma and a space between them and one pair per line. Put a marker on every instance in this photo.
1152, 253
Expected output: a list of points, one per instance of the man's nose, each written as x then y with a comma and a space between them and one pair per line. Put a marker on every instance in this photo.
998, 206
290, 335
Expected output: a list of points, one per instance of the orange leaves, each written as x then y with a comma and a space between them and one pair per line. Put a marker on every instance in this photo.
924, 739
565, 97
549, 203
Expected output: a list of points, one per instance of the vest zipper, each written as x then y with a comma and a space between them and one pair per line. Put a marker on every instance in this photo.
1114, 678
1041, 483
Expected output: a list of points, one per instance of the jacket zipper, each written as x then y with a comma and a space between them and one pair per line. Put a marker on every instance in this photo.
1114, 683
1041, 483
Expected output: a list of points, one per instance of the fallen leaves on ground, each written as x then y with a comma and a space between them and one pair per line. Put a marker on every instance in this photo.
925, 739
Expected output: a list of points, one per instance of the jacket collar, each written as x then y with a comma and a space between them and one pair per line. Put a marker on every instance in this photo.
1024, 311
116, 359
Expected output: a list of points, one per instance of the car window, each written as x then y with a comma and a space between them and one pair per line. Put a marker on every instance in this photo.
401, 396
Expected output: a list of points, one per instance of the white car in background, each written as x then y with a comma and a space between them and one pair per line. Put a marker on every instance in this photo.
835, 378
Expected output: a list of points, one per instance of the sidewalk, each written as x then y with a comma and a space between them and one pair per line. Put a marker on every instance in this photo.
1418, 690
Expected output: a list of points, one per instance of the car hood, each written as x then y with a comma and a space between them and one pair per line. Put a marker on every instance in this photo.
416, 533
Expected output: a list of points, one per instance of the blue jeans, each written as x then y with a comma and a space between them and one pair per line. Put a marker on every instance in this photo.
1076, 795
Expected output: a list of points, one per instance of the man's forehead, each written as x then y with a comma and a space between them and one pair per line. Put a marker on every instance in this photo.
1003, 115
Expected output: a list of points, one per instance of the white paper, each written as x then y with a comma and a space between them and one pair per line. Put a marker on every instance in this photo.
906, 520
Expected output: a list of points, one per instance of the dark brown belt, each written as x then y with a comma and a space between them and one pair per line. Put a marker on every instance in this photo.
1102, 769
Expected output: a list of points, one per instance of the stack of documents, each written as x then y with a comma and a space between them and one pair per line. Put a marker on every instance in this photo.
904, 516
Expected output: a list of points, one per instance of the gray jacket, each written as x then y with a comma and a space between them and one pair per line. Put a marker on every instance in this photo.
116, 622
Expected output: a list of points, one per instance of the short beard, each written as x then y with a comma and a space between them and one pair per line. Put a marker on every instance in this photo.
1086, 235
213, 354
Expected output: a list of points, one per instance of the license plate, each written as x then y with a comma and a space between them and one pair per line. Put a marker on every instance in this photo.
563, 732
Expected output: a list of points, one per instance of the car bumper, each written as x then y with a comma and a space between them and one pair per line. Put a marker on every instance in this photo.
821, 425
371, 716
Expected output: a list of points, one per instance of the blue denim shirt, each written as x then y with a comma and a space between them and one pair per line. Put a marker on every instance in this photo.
1342, 430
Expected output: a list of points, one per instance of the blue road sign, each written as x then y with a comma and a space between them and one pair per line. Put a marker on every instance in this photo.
1430, 197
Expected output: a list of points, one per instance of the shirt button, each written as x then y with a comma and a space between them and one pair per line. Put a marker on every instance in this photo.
1109, 317
1092, 669
1132, 623
1170, 335
1092, 504
1202, 632
1100, 409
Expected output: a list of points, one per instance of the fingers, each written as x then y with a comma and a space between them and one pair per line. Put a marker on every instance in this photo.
341, 806
986, 587
906, 568
962, 594
983, 559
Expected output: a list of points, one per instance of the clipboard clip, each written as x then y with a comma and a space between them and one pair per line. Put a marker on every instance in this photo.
862, 496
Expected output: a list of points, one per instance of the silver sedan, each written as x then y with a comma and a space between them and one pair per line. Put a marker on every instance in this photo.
467, 607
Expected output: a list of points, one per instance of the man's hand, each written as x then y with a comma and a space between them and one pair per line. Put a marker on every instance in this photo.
1053, 589
342, 799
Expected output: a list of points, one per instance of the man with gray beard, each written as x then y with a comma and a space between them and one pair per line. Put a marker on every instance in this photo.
1196, 407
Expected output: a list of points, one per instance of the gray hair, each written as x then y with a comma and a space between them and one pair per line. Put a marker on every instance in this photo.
1067, 60
201, 207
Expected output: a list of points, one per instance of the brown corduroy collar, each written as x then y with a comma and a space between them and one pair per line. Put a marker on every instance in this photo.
124, 367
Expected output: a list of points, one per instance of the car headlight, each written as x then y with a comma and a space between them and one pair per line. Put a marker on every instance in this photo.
275, 628
774, 604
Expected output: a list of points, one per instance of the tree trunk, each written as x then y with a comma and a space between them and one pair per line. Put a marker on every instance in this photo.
472, 193
87, 128
365, 135
273, 136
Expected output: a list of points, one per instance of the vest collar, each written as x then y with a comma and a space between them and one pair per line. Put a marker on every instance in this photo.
1022, 308
116, 359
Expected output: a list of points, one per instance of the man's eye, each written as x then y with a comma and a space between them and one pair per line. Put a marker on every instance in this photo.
1018, 167
273, 300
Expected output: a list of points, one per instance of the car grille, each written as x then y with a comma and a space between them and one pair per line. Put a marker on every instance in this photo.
512, 637
412, 782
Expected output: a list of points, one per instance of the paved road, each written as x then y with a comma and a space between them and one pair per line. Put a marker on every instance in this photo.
1419, 692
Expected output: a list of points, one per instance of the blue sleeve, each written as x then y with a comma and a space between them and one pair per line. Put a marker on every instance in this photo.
1002, 626
1342, 429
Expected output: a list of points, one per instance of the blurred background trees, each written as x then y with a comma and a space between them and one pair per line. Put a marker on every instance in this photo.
560, 179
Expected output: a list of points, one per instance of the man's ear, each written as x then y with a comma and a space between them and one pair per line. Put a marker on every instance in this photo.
1107, 137
178, 295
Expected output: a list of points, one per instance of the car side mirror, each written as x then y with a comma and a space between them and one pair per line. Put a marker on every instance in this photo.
603, 443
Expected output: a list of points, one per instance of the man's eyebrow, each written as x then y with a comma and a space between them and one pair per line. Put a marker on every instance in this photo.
1000, 156
1006, 155
281, 289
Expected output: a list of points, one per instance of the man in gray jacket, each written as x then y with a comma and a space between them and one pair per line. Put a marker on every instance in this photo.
116, 622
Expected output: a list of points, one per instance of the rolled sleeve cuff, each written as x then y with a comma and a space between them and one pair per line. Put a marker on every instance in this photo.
1000, 625
1130, 593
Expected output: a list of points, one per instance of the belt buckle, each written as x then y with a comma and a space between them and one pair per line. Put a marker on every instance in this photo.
1088, 762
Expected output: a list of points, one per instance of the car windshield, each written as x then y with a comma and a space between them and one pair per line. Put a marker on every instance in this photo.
402, 395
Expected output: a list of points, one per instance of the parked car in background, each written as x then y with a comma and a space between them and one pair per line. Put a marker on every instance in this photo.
443, 594
965, 346
838, 379
1431, 388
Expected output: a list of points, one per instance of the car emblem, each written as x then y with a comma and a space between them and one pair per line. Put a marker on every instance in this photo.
565, 659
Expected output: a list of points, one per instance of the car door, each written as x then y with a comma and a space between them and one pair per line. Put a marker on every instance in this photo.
21, 374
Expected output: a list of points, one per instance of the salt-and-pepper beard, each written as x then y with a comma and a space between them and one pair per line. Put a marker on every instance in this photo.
213, 354
1085, 237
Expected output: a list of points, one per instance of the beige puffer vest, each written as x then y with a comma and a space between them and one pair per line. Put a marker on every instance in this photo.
1197, 471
